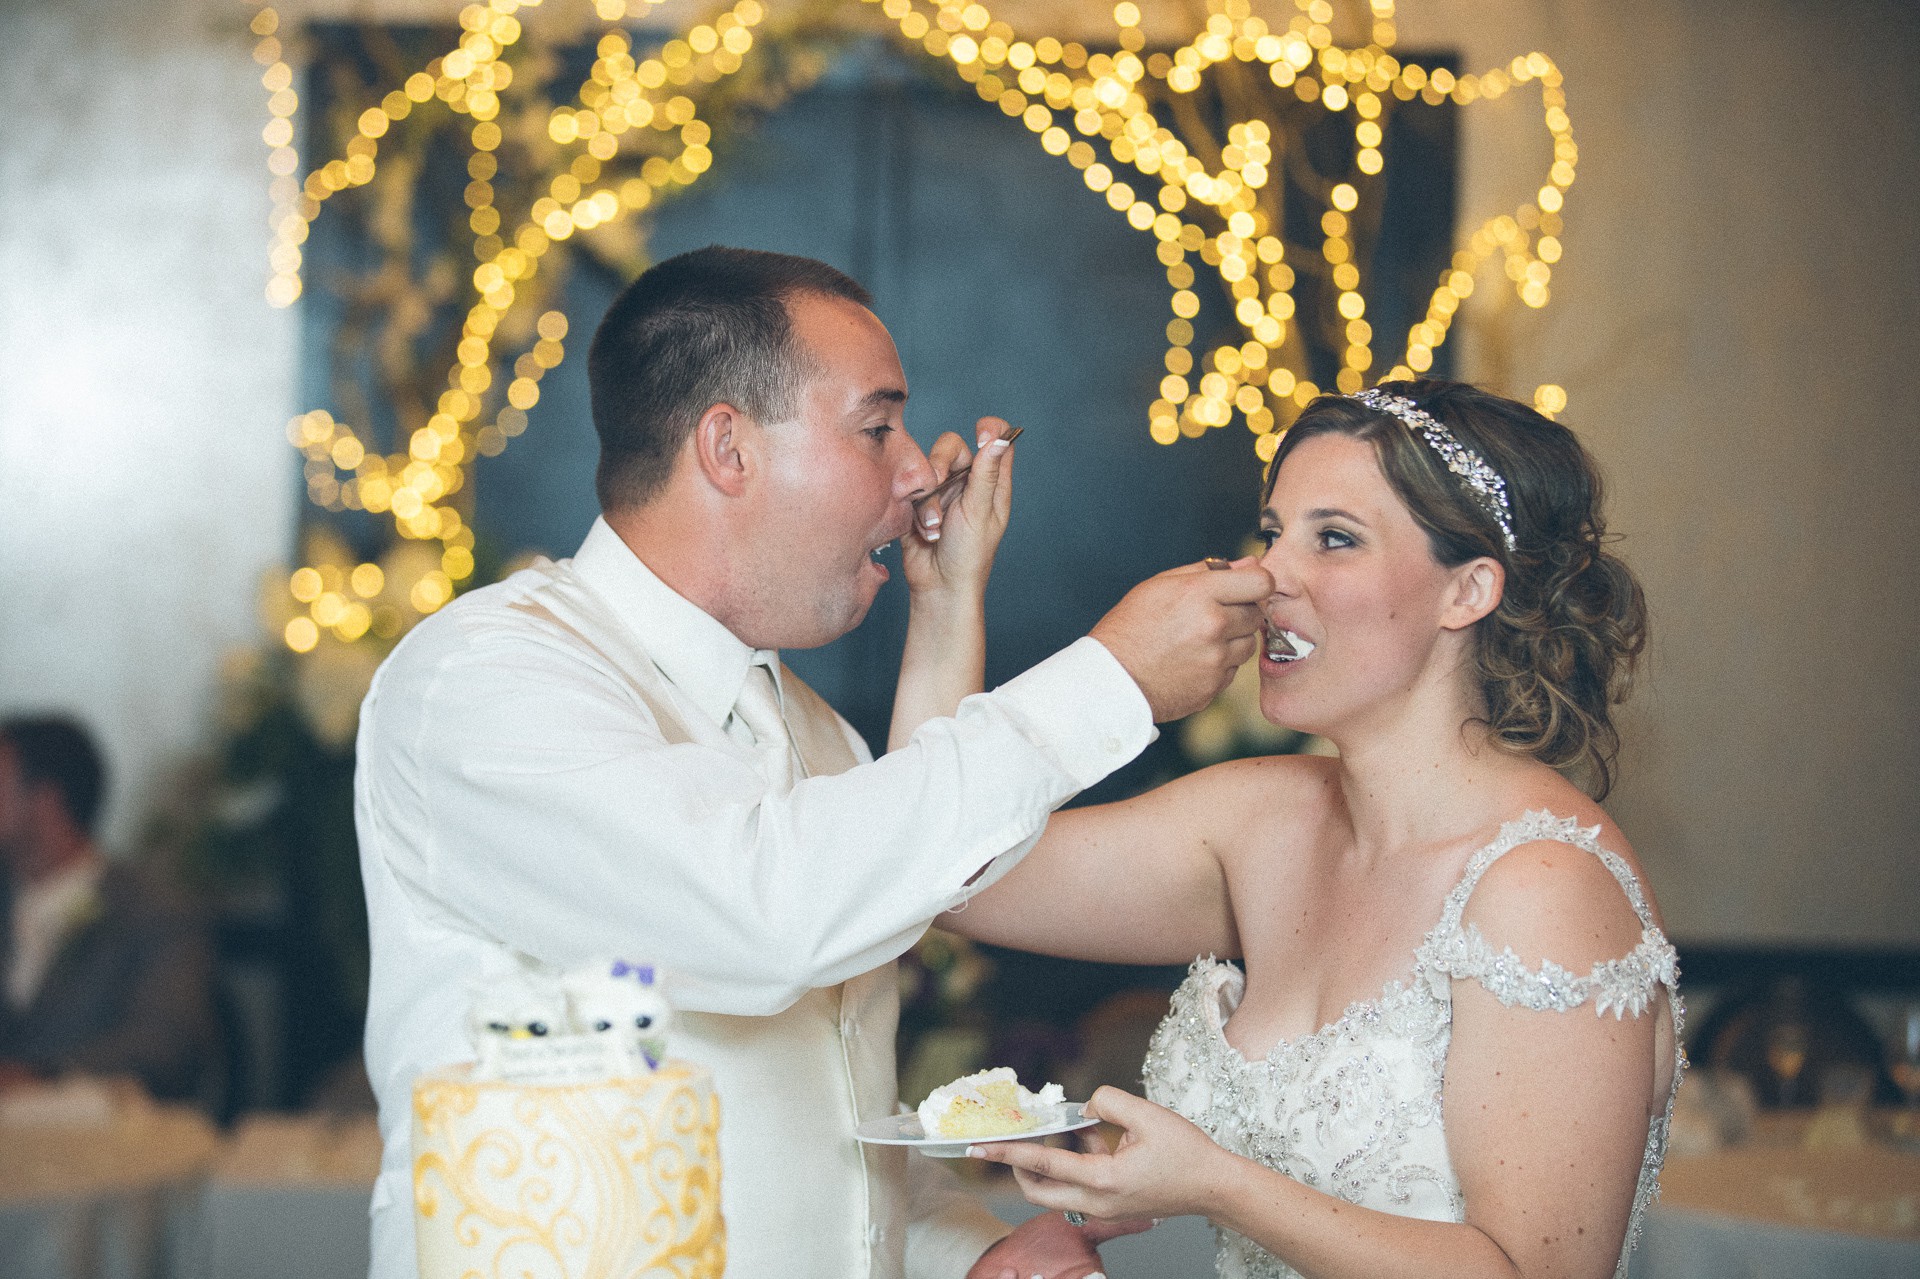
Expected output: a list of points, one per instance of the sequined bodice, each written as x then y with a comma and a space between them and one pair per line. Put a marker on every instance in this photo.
1354, 1109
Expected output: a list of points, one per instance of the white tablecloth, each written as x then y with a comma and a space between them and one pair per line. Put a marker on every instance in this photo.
1682, 1244
286, 1198
97, 1182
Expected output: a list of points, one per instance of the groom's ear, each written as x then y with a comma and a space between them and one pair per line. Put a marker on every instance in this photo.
723, 444
1476, 590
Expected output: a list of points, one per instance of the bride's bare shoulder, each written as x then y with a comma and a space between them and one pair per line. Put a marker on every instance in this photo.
1269, 779
1249, 804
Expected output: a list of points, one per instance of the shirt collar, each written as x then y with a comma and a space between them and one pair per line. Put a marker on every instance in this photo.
699, 655
64, 892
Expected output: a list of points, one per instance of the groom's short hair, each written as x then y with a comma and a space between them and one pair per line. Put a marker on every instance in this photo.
708, 327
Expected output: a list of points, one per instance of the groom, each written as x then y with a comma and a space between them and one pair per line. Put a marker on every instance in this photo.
604, 757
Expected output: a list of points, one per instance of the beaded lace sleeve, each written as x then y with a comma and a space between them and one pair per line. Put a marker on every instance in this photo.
1623, 986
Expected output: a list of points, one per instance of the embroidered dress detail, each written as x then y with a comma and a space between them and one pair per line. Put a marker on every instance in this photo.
1620, 986
1355, 1108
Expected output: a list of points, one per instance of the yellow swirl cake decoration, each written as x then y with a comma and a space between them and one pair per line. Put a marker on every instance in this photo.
618, 1178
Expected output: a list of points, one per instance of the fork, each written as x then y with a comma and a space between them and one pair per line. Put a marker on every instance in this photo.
943, 491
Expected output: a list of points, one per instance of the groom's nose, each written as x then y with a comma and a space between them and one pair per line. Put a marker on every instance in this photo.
912, 473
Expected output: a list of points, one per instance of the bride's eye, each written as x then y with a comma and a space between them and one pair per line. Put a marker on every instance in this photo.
1333, 539
1267, 537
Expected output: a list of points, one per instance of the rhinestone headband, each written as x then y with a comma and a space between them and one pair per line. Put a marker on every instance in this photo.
1488, 488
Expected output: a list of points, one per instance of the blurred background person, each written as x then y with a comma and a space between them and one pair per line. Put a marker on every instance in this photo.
106, 971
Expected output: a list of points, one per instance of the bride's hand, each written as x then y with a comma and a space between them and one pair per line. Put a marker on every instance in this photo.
1163, 1166
951, 550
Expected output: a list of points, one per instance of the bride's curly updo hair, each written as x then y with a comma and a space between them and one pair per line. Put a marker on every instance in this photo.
1559, 649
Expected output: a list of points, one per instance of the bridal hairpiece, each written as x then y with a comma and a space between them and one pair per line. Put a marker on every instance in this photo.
1486, 484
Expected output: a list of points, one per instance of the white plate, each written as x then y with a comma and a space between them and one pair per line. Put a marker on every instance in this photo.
905, 1130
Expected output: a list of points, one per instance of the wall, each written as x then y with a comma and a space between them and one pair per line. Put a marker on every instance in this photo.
1735, 323
144, 481
1732, 321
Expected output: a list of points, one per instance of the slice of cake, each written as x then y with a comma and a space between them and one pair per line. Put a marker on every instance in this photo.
988, 1104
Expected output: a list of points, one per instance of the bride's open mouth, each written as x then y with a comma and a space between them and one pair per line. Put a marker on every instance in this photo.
1284, 646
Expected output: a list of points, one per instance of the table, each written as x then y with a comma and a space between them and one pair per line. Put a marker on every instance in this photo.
96, 1182
1774, 1210
158, 1193
288, 1200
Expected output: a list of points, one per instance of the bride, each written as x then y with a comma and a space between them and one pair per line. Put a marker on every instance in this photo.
1451, 1042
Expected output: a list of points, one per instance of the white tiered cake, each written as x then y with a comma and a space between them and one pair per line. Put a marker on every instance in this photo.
570, 1150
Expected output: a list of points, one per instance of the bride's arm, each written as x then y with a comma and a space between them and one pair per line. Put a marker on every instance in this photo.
1148, 880
946, 568
1546, 1117
1138, 882
1167, 1167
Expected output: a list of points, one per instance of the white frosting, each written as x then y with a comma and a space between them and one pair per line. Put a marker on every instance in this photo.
1038, 1106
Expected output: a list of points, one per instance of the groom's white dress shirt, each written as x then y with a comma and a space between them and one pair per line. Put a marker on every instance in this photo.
551, 769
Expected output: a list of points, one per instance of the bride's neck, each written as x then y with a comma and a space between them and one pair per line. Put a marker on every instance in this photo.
1423, 783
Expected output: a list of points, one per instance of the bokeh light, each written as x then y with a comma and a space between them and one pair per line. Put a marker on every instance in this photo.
1094, 108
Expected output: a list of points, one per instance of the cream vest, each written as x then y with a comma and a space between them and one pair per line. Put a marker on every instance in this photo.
802, 1198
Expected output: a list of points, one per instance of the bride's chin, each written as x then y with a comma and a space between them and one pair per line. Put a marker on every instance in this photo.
1277, 713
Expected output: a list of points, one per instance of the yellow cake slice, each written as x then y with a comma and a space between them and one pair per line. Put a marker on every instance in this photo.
990, 1103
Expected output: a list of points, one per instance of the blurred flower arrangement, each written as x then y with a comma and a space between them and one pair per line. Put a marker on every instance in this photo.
943, 1028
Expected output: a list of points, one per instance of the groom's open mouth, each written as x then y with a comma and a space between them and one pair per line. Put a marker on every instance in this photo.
1285, 646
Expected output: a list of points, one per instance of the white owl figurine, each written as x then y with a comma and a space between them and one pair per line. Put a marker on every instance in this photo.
622, 1005
511, 1018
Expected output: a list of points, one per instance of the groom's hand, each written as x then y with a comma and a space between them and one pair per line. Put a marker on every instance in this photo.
1047, 1245
1182, 634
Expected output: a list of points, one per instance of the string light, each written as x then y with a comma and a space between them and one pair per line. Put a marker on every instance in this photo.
1217, 213
1097, 110
621, 96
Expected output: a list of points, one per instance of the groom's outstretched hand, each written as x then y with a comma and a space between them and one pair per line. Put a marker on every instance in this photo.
1183, 633
1047, 1245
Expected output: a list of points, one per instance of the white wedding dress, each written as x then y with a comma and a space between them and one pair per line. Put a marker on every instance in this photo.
1354, 1109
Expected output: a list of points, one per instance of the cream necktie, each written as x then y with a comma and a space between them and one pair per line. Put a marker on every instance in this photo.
759, 709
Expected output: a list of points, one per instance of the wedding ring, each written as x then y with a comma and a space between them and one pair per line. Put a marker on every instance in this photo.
1216, 563
1075, 1218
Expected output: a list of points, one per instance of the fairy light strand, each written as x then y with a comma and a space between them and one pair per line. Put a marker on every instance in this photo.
1060, 90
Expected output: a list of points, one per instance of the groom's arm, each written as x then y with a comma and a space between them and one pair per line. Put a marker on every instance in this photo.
519, 791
